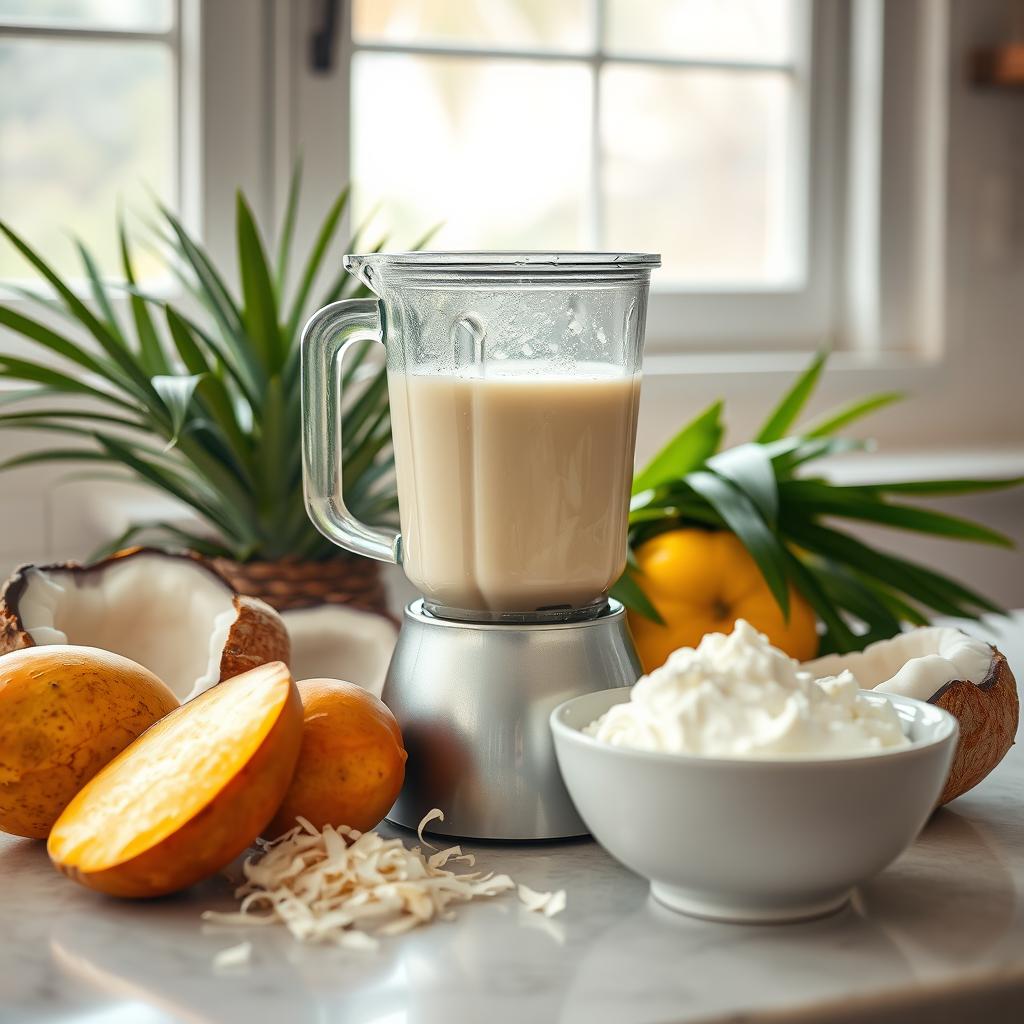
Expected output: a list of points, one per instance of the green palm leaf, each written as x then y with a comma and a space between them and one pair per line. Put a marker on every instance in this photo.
943, 487
176, 393
750, 469
742, 517
785, 414
838, 636
284, 243
631, 594
859, 503
97, 287
687, 451
850, 413
30, 418
55, 380
151, 355
131, 378
211, 391
326, 234
259, 309
55, 343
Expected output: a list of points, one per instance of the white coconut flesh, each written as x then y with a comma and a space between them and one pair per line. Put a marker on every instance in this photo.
168, 614
336, 642
915, 664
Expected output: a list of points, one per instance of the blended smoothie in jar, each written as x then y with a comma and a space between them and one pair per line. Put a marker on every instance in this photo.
514, 482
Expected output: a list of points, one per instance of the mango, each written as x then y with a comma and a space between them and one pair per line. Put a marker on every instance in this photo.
352, 763
190, 794
65, 712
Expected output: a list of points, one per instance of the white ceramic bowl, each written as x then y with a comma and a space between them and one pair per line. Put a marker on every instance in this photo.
754, 840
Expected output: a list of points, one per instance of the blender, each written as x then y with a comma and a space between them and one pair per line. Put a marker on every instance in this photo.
513, 385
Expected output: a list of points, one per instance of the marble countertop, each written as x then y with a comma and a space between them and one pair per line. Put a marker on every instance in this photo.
939, 936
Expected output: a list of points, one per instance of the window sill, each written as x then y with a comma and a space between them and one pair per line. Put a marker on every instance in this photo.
735, 365
985, 463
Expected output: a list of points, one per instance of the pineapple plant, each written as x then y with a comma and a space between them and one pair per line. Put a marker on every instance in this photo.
205, 405
820, 588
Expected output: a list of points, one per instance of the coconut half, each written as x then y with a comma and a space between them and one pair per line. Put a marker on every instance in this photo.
338, 642
964, 675
172, 613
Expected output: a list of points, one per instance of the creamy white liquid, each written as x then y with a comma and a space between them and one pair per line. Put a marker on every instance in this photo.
513, 483
737, 696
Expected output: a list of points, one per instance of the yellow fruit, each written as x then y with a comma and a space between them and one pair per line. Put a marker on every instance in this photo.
352, 762
702, 581
190, 794
64, 713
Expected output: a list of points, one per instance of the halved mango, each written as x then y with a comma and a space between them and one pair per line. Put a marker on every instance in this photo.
190, 794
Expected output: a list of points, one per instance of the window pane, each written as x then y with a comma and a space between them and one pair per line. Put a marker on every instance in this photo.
495, 24
139, 15
82, 125
755, 30
697, 168
496, 150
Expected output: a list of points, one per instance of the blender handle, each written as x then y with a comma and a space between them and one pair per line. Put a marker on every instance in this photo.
327, 336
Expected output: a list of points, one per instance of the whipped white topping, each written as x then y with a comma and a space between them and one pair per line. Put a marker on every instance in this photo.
737, 696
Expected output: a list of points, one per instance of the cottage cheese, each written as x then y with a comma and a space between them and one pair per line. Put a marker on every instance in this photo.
737, 696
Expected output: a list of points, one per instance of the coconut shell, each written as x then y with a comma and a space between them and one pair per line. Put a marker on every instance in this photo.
988, 713
257, 636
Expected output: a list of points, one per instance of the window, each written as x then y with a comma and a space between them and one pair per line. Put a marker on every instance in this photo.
664, 125
694, 128
88, 115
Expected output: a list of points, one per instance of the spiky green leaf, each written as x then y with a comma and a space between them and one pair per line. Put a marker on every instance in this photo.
151, 354
687, 451
859, 503
259, 304
176, 393
742, 517
284, 242
628, 590
785, 414
749, 467
324, 237
850, 413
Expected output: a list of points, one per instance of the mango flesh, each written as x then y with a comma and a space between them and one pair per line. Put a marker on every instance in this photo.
65, 712
190, 795
352, 763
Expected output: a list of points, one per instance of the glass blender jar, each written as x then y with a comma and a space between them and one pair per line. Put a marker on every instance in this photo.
513, 383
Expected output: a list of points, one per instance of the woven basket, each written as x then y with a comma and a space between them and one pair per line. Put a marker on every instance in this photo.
288, 584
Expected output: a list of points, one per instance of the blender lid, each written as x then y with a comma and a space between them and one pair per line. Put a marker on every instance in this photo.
535, 261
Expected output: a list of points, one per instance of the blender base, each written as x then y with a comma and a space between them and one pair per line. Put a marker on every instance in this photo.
473, 701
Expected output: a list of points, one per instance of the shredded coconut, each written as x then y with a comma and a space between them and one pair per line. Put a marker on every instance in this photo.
349, 888
233, 956
547, 903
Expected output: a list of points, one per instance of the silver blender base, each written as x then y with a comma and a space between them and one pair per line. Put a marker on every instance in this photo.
473, 701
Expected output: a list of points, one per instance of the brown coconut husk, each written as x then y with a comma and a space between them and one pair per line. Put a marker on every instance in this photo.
988, 713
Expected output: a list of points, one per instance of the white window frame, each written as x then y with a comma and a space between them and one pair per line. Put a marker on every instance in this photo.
221, 50
170, 38
249, 103
789, 316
